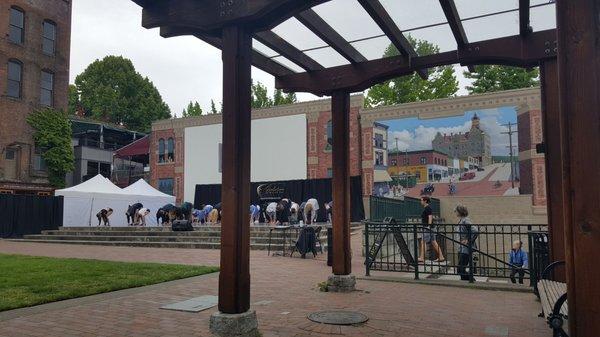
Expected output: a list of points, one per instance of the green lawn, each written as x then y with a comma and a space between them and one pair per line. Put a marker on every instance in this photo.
27, 280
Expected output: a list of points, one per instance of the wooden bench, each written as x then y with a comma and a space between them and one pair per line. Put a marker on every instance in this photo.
553, 296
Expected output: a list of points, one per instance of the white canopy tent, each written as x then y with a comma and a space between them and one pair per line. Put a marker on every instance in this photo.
84, 201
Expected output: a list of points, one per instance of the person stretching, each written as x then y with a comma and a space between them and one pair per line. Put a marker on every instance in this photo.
103, 216
311, 208
141, 216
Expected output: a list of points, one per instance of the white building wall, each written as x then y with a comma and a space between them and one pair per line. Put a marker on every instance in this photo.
278, 152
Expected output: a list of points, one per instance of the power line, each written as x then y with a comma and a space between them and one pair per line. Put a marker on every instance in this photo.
511, 146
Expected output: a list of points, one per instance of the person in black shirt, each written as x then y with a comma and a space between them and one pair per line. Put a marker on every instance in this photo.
132, 211
428, 231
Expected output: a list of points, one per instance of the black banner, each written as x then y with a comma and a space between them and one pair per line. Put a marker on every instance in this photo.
295, 190
29, 214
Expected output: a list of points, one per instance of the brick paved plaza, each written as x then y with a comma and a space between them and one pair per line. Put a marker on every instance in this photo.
283, 294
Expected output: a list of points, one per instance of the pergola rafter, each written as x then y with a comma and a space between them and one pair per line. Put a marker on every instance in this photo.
326, 33
287, 50
451, 13
524, 14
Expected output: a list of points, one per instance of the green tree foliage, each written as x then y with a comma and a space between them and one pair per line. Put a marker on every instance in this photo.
111, 90
53, 135
193, 109
279, 98
74, 103
489, 78
441, 83
213, 108
260, 96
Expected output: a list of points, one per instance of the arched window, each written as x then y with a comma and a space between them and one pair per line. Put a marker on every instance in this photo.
16, 26
170, 150
329, 130
48, 37
15, 79
47, 88
161, 150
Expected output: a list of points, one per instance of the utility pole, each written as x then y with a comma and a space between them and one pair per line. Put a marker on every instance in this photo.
510, 146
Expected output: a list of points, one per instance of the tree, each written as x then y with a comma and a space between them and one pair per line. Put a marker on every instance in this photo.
213, 107
111, 90
193, 109
441, 83
260, 96
53, 135
279, 98
489, 78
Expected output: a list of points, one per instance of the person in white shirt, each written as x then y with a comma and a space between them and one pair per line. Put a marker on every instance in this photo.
310, 211
272, 212
141, 216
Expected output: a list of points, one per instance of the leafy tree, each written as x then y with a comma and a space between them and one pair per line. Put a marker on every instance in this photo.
112, 90
260, 96
213, 107
53, 135
489, 78
279, 98
193, 109
74, 103
441, 83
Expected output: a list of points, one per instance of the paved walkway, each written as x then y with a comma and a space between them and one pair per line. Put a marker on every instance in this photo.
283, 294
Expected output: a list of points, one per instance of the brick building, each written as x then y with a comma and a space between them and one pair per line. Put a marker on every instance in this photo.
474, 143
34, 72
425, 165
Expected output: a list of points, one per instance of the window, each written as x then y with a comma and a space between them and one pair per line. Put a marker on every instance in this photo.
161, 150
329, 135
378, 141
16, 26
10, 154
105, 170
47, 92
379, 158
170, 150
15, 79
39, 164
92, 169
48, 37
423, 160
166, 185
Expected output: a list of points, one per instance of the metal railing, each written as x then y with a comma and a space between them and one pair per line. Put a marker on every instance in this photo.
399, 248
399, 209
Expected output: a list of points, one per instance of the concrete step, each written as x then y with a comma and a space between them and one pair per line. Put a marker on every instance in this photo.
143, 238
187, 245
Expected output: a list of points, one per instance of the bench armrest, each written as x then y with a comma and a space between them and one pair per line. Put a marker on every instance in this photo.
549, 268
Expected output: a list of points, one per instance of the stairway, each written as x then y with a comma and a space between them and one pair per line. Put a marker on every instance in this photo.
203, 237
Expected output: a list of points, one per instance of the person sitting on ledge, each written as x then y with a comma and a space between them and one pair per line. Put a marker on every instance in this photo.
519, 261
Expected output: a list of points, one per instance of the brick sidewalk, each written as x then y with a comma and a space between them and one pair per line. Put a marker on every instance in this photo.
284, 292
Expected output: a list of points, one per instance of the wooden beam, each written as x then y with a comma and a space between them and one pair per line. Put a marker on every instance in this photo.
234, 278
340, 112
451, 13
513, 51
259, 60
287, 50
385, 22
212, 16
524, 13
324, 31
578, 30
555, 162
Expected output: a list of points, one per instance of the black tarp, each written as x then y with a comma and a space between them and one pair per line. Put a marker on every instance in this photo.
295, 190
29, 214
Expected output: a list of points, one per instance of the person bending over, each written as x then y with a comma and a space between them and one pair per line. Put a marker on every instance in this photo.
518, 260
213, 216
272, 213
312, 210
141, 216
103, 216
131, 213
428, 231
163, 214
254, 213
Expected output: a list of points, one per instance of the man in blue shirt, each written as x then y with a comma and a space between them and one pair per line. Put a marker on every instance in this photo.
518, 260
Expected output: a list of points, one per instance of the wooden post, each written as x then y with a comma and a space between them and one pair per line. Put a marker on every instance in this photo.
578, 31
340, 111
234, 279
553, 140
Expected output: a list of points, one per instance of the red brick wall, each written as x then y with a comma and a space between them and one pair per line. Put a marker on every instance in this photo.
171, 170
531, 167
13, 112
415, 158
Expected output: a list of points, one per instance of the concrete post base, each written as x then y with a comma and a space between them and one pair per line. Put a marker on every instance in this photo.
234, 325
341, 283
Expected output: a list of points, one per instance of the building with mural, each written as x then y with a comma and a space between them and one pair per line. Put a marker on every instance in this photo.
474, 143
425, 166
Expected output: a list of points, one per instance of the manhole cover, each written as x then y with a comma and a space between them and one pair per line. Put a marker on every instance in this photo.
338, 317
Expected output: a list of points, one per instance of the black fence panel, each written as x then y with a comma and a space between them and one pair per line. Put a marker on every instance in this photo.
29, 214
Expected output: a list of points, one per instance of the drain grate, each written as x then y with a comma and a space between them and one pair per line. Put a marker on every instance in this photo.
338, 317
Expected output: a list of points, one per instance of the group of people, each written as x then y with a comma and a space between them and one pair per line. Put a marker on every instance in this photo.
287, 211
467, 236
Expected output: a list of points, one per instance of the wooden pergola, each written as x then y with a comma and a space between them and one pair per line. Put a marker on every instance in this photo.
569, 61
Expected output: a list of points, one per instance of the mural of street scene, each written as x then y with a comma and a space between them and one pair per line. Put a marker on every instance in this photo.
475, 154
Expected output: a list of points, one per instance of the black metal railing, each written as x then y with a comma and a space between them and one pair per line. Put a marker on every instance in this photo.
478, 251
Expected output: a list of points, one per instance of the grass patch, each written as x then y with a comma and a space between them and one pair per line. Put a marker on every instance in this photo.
29, 280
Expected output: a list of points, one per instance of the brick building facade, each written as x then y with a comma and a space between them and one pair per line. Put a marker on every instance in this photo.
34, 72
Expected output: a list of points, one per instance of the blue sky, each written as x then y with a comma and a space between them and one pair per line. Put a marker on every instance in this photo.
416, 134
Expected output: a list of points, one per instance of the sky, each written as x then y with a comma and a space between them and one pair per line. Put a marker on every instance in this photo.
414, 134
186, 69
